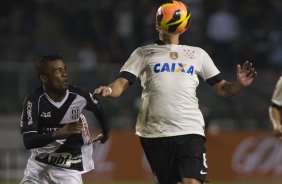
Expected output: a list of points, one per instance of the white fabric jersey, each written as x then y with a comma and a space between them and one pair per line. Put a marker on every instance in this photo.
168, 74
277, 94
40, 173
87, 147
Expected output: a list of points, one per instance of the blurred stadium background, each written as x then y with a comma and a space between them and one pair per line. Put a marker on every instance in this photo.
96, 37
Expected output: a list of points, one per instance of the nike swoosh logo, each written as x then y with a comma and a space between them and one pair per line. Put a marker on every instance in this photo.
152, 53
202, 172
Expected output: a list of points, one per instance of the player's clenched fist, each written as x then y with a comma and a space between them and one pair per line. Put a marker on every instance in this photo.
103, 90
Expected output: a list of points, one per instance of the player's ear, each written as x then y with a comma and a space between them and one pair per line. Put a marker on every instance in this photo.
43, 78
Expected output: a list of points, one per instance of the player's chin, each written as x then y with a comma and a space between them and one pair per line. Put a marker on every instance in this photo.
63, 88
65, 85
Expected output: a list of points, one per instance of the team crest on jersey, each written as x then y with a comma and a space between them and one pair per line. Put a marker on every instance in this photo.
190, 54
74, 113
173, 55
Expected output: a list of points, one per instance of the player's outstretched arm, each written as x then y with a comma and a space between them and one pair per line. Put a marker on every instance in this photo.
115, 89
275, 118
245, 76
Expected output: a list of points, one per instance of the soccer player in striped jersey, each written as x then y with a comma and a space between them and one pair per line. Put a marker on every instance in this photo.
54, 128
275, 109
170, 124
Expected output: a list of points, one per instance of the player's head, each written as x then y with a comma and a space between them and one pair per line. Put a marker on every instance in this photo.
173, 18
52, 73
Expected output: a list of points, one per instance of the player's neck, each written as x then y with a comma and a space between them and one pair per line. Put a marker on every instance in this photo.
169, 39
56, 96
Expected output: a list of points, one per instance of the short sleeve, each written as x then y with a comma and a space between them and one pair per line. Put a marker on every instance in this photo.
29, 118
277, 93
135, 62
208, 67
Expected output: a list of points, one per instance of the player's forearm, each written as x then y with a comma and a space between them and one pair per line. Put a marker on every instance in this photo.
275, 117
104, 126
225, 88
34, 140
118, 87
100, 115
116, 91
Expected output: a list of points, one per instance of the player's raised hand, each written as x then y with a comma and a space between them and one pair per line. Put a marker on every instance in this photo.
246, 74
67, 130
103, 90
101, 138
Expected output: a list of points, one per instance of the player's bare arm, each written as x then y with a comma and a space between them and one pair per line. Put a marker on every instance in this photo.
67, 130
245, 76
115, 89
275, 117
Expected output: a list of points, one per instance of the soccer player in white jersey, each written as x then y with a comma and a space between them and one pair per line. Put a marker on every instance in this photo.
170, 124
275, 109
54, 129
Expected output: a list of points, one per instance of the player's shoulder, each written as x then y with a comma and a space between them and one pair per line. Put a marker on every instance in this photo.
151, 48
279, 82
77, 90
35, 94
191, 47
80, 92
158, 46
195, 51
89, 97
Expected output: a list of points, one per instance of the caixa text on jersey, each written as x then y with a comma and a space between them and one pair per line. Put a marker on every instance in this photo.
174, 67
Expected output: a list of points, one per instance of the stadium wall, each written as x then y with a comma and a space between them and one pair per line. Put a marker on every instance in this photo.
231, 156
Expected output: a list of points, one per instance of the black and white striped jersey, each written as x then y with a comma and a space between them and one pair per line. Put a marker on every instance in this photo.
41, 115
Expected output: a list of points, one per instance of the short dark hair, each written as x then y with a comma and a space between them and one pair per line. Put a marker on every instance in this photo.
41, 63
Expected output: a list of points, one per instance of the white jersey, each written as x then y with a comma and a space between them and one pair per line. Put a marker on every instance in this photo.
277, 94
40, 173
169, 77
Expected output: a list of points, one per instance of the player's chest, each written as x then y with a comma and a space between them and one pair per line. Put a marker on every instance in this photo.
172, 62
52, 116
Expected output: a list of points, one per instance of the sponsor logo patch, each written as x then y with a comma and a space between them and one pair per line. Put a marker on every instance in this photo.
29, 113
45, 114
174, 67
63, 159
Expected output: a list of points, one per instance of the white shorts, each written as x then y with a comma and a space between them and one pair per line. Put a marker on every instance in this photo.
40, 173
